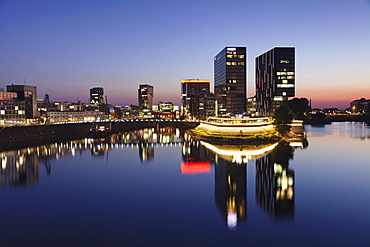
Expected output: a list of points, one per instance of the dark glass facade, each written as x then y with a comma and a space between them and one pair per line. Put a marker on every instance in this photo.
191, 92
275, 79
97, 95
145, 97
230, 80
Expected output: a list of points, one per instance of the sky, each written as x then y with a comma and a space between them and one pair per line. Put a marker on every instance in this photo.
66, 47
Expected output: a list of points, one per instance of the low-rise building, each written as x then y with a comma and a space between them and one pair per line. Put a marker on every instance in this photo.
360, 106
72, 116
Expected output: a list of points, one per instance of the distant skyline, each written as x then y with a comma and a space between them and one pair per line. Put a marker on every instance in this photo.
67, 47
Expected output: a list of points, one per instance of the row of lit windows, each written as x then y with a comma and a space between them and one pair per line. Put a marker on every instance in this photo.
285, 73
285, 85
3, 112
286, 77
234, 63
235, 56
232, 81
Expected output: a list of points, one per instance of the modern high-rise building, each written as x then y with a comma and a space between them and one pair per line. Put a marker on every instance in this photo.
275, 79
28, 94
191, 91
97, 95
230, 78
145, 97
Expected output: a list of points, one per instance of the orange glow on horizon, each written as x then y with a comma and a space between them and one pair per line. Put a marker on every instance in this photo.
195, 81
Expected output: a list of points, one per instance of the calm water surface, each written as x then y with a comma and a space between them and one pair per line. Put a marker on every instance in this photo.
159, 188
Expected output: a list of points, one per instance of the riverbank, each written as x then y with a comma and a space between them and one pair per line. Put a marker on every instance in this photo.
83, 129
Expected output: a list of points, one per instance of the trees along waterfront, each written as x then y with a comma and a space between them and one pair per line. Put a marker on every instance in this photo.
282, 119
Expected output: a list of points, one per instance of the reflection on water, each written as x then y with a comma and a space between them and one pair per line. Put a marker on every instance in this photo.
358, 130
274, 179
231, 178
20, 167
159, 186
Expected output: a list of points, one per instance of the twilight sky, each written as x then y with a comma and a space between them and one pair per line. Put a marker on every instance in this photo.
66, 47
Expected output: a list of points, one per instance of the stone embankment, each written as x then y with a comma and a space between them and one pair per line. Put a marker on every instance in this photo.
83, 129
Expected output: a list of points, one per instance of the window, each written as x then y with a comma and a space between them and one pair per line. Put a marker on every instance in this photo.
284, 61
240, 63
281, 73
278, 98
285, 85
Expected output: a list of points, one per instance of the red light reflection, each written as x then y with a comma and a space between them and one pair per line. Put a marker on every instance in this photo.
192, 168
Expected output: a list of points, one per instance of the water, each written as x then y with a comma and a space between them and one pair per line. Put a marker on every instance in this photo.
149, 188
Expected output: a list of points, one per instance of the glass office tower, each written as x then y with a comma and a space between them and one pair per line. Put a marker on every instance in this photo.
275, 79
192, 90
230, 80
145, 97
97, 95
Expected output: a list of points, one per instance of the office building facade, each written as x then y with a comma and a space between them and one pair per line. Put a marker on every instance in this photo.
28, 94
207, 106
191, 91
12, 110
275, 79
230, 79
145, 98
97, 95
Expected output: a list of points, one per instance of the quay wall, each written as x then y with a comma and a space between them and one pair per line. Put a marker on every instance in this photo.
81, 130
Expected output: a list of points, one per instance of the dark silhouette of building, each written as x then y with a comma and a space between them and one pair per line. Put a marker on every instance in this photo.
28, 94
191, 91
145, 98
207, 106
97, 95
275, 79
230, 80
360, 106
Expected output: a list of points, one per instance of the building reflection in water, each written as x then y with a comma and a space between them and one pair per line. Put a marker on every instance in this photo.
196, 158
21, 167
18, 168
275, 180
231, 178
